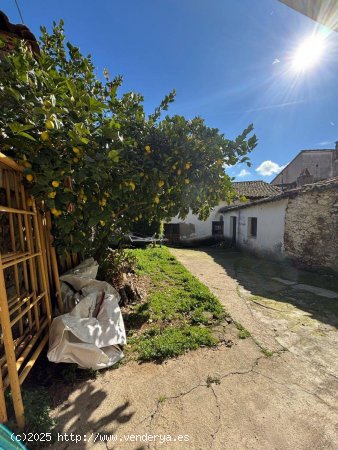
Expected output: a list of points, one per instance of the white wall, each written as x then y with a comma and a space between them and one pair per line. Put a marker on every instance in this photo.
270, 227
203, 229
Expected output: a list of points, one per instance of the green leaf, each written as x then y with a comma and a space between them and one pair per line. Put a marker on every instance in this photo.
14, 93
27, 136
71, 87
93, 221
17, 127
114, 155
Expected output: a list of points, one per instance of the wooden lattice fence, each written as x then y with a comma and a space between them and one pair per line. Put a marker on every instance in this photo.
28, 280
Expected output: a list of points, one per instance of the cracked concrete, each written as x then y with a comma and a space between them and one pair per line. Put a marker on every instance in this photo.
230, 397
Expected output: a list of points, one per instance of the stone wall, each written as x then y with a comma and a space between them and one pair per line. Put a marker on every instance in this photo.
311, 228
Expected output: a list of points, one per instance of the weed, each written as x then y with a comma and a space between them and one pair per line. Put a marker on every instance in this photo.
162, 399
174, 341
212, 380
37, 406
243, 333
266, 352
71, 373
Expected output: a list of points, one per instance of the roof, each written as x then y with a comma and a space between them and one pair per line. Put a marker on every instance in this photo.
319, 185
324, 12
321, 150
255, 189
10, 31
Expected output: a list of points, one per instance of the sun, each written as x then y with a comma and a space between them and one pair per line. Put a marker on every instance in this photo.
308, 54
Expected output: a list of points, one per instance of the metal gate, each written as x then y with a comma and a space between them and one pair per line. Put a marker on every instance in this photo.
27, 267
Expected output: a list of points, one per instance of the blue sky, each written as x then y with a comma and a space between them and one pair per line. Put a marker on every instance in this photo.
229, 61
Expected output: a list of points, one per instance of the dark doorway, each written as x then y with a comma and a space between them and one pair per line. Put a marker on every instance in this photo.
218, 228
172, 232
234, 229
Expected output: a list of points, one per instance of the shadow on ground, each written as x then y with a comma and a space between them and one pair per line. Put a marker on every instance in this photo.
257, 275
61, 381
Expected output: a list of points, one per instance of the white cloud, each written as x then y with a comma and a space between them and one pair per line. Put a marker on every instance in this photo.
332, 123
243, 173
276, 61
268, 168
321, 144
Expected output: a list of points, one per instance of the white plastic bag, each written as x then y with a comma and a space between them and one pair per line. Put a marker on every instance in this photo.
80, 337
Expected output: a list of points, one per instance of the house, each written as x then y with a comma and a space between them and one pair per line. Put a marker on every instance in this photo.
307, 167
192, 230
300, 224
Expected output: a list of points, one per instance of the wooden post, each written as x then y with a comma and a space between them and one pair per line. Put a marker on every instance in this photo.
3, 410
10, 353
54, 263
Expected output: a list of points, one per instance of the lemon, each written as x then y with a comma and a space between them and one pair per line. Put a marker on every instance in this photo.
160, 183
132, 185
76, 160
157, 199
188, 165
187, 181
179, 172
55, 212
147, 148
50, 124
52, 194
55, 183
102, 223
76, 150
103, 202
45, 136
29, 177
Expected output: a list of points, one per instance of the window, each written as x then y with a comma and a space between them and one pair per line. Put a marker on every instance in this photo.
252, 226
217, 228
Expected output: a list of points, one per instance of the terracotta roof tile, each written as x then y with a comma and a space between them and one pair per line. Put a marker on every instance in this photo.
256, 189
319, 185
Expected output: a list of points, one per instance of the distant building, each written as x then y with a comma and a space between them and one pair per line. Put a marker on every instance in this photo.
192, 230
300, 224
309, 166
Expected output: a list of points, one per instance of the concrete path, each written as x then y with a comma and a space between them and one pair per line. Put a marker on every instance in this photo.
231, 397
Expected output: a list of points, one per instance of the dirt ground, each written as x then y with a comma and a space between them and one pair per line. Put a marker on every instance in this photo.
277, 389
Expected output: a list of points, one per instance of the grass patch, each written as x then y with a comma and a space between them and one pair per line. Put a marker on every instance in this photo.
71, 373
266, 352
171, 342
179, 310
243, 333
37, 404
162, 399
212, 380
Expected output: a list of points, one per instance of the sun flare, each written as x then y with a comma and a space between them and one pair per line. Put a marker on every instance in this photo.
308, 54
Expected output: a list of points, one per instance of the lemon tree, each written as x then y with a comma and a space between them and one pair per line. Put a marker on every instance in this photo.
96, 159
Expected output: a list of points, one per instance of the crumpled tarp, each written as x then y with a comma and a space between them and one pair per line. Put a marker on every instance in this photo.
90, 334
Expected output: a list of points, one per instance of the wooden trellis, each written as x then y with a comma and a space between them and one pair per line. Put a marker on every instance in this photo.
28, 274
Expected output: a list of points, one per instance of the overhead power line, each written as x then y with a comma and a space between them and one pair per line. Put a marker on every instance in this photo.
17, 5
